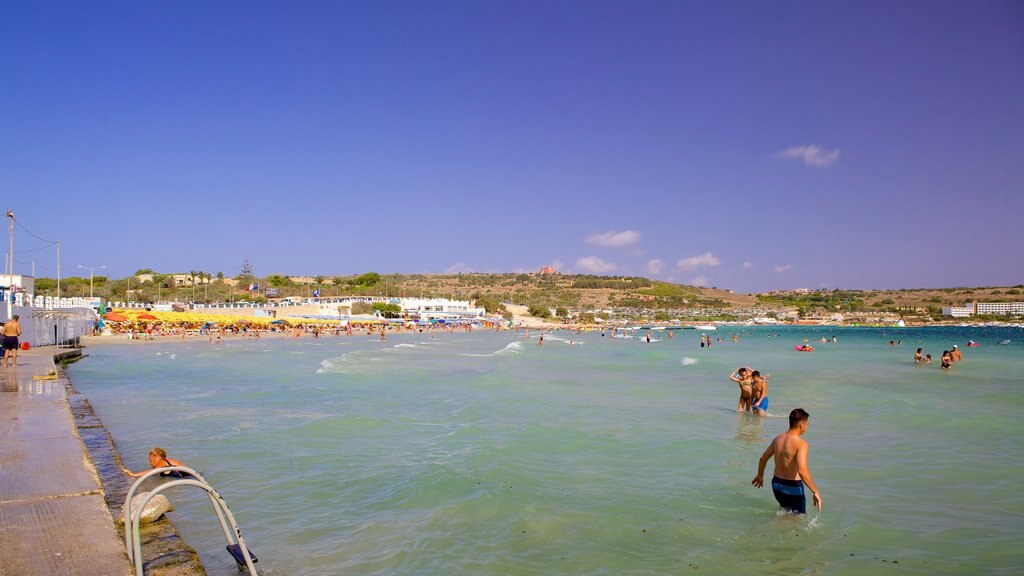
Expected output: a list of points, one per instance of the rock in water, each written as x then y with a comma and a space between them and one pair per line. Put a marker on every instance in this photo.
154, 509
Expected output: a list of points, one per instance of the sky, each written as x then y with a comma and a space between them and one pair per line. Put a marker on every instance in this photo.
751, 146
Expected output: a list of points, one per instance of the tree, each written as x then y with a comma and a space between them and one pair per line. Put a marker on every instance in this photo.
365, 280
277, 281
192, 274
539, 311
319, 280
388, 310
561, 312
337, 281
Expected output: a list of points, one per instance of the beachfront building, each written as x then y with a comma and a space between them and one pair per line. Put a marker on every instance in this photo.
22, 284
439, 308
985, 309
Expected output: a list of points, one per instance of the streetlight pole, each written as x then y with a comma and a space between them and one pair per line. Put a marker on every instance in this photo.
91, 269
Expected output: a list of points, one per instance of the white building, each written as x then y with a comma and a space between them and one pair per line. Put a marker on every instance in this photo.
985, 308
22, 284
999, 308
436, 308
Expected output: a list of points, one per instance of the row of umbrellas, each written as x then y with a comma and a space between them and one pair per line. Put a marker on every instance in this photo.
117, 317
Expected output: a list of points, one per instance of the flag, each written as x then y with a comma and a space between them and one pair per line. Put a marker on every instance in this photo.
254, 286
316, 293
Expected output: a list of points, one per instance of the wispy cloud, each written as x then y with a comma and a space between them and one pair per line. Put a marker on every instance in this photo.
594, 265
783, 267
811, 155
748, 265
655, 266
457, 268
705, 259
614, 239
700, 280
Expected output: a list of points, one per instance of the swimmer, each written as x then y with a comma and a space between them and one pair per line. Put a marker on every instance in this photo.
791, 472
917, 356
157, 459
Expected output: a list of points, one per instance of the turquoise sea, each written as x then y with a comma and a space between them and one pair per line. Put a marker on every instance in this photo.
485, 453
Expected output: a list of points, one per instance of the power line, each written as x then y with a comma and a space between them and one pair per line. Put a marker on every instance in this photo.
29, 232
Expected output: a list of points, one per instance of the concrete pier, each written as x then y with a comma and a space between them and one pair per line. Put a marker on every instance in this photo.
53, 518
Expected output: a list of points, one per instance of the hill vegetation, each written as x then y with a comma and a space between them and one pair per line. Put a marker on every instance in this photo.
543, 294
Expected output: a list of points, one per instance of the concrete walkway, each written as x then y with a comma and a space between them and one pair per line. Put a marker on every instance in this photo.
53, 518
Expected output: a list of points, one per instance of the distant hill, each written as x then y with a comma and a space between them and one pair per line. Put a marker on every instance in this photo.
575, 292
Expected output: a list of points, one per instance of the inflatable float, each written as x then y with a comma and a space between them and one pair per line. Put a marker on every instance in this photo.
803, 348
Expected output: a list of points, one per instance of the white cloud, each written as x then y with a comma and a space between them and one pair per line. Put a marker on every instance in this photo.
783, 267
705, 259
701, 280
614, 239
748, 265
655, 266
811, 155
594, 265
457, 268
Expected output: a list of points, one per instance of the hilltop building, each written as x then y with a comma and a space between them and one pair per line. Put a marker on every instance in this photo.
985, 308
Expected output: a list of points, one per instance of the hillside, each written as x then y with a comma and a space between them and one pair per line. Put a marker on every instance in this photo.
577, 293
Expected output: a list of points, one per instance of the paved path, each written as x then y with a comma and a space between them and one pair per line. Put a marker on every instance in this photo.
53, 520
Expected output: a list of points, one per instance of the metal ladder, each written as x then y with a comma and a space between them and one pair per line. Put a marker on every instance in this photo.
236, 545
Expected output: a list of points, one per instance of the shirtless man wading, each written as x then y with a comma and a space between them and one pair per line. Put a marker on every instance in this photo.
791, 472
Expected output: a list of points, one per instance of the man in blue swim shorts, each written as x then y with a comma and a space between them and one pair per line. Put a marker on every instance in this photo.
791, 472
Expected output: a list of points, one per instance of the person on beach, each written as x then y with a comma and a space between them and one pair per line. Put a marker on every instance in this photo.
955, 355
759, 392
917, 356
11, 331
157, 459
741, 376
791, 471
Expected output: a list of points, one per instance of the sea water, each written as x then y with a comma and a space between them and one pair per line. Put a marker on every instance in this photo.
487, 453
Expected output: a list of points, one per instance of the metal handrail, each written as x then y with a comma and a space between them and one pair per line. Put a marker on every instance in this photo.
133, 543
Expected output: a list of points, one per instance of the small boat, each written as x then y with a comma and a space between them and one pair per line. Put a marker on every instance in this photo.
1005, 342
706, 327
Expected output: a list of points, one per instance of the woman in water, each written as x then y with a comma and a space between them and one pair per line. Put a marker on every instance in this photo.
157, 459
947, 360
742, 377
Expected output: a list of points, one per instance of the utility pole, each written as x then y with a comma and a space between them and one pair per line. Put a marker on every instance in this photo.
10, 277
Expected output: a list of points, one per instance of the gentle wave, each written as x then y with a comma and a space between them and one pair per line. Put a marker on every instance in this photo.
687, 361
511, 348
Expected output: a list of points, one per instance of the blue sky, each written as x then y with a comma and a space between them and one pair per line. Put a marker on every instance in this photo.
744, 145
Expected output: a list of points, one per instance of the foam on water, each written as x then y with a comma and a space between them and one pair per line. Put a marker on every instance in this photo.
510, 348
687, 361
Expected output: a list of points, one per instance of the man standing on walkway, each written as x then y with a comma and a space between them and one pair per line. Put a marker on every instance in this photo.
11, 331
791, 472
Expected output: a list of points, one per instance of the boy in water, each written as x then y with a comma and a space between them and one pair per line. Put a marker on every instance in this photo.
791, 472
